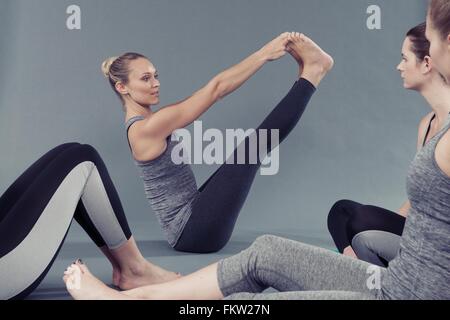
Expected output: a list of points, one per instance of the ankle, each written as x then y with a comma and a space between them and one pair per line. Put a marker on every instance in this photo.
317, 71
135, 268
320, 64
300, 71
313, 76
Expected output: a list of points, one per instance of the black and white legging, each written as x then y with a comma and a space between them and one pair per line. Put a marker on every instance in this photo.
70, 181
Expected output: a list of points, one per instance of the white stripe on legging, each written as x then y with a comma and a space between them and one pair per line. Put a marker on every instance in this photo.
23, 265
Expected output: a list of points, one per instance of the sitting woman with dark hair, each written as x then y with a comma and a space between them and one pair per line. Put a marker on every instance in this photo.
372, 233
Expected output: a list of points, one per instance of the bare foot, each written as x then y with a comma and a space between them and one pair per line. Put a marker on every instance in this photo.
294, 54
348, 251
82, 285
144, 274
317, 63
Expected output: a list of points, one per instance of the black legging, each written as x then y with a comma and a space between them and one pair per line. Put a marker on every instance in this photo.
348, 218
222, 196
38, 190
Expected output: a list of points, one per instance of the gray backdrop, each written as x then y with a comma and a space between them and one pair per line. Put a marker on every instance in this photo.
355, 141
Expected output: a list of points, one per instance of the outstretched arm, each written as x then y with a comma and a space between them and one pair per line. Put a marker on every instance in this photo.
232, 78
163, 122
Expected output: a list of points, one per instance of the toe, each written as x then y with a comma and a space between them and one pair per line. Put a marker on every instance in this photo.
82, 267
307, 39
69, 270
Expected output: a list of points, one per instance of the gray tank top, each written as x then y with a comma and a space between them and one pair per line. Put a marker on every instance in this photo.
170, 188
421, 269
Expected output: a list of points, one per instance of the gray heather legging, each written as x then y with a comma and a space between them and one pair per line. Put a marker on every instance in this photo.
374, 245
297, 270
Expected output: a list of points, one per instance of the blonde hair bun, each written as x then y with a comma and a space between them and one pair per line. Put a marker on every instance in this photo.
106, 65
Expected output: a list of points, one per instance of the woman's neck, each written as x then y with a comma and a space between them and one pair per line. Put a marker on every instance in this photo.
134, 109
437, 94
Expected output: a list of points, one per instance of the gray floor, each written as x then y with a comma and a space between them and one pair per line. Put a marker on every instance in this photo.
157, 251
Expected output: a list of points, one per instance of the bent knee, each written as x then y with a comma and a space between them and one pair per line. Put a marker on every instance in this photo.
362, 240
87, 152
357, 223
338, 211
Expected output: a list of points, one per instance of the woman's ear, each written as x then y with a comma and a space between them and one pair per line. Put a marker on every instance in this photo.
427, 65
120, 87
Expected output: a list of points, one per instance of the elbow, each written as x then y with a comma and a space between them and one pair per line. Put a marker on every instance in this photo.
218, 88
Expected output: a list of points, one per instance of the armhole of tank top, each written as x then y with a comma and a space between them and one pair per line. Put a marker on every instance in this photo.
168, 138
128, 130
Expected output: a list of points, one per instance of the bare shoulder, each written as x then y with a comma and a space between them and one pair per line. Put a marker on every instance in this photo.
425, 121
422, 130
144, 146
442, 153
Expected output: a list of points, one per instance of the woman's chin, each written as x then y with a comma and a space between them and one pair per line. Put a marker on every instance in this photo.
152, 102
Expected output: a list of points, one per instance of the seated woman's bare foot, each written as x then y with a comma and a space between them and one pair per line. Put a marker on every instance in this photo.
144, 273
317, 63
82, 285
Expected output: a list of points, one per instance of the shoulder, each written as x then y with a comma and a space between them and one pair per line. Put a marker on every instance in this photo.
442, 153
135, 128
141, 127
425, 121
145, 146
423, 126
